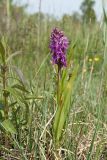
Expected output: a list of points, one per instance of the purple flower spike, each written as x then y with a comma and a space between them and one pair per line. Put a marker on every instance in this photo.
58, 45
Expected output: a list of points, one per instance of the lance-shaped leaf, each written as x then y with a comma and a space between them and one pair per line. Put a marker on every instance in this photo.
63, 109
8, 126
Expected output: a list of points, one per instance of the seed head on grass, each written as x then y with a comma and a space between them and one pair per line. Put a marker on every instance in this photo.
58, 45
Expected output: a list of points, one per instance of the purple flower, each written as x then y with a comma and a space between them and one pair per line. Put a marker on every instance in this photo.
58, 45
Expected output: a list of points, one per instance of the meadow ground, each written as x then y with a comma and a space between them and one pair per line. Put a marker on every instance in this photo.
28, 90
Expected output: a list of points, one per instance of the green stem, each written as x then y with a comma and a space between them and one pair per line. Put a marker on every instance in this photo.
8, 14
4, 70
5, 96
58, 84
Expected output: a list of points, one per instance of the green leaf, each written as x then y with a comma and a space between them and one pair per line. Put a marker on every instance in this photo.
105, 16
62, 111
18, 96
13, 55
20, 87
92, 143
8, 126
20, 75
71, 53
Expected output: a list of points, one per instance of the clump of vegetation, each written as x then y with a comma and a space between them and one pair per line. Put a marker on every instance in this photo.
52, 110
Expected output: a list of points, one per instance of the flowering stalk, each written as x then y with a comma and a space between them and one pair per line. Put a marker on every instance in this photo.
58, 45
